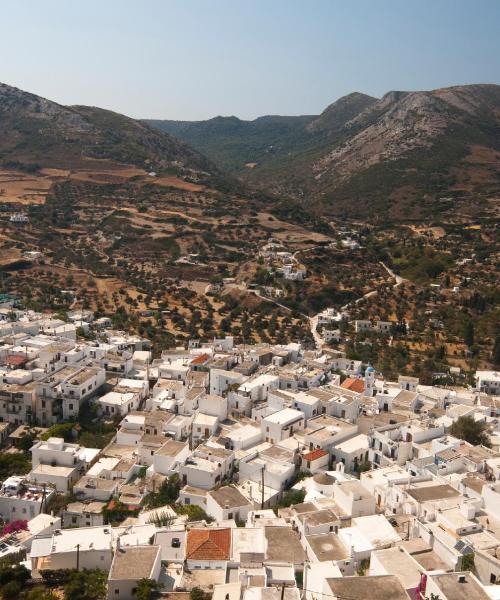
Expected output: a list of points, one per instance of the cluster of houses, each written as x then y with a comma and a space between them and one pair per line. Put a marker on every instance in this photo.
312, 476
282, 261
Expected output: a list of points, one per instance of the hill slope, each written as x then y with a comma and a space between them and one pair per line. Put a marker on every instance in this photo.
397, 156
37, 131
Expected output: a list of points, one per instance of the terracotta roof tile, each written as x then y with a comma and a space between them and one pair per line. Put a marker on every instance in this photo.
199, 360
355, 385
208, 544
315, 454
15, 359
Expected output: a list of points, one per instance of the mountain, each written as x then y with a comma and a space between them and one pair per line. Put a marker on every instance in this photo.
335, 116
406, 155
38, 132
239, 146
233, 143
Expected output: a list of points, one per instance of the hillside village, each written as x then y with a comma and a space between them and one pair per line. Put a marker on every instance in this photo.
240, 472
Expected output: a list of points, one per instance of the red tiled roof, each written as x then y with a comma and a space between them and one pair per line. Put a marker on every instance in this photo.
199, 360
208, 544
355, 385
315, 454
16, 359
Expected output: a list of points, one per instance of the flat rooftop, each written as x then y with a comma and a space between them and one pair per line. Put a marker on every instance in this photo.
327, 546
380, 587
460, 586
134, 562
283, 545
229, 497
433, 492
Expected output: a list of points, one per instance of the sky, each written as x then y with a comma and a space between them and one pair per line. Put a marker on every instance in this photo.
196, 59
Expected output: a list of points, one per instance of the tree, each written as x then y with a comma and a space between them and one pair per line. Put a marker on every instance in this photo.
193, 512
26, 441
474, 432
292, 497
14, 464
363, 466
198, 594
61, 430
467, 562
469, 333
495, 357
167, 494
86, 585
40, 593
146, 588
11, 590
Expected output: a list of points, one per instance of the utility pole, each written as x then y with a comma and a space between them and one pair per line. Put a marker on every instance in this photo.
78, 557
282, 591
43, 500
304, 581
262, 483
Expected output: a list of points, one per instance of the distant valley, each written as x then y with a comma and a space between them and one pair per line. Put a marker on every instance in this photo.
407, 155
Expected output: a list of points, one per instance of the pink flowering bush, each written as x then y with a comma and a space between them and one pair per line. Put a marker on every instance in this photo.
14, 526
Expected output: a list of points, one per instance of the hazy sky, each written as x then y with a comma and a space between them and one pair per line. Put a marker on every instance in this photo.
195, 59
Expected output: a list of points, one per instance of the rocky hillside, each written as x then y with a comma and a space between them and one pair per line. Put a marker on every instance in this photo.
35, 132
408, 154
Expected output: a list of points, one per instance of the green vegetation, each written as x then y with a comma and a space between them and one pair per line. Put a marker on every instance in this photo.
474, 432
232, 143
167, 494
78, 585
363, 466
364, 565
467, 562
198, 594
147, 589
60, 430
115, 512
13, 579
419, 264
291, 497
193, 512
14, 464
495, 356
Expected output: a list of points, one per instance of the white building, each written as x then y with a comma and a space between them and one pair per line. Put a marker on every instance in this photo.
227, 502
221, 380
59, 550
488, 381
351, 452
170, 456
20, 499
282, 424
130, 565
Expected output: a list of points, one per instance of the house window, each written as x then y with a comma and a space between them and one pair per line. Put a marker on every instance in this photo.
70, 407
230, 515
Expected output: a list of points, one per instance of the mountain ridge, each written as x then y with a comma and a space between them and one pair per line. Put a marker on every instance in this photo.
34, 129
399, 153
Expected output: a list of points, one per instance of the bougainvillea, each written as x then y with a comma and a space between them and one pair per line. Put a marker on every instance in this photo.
14, 526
